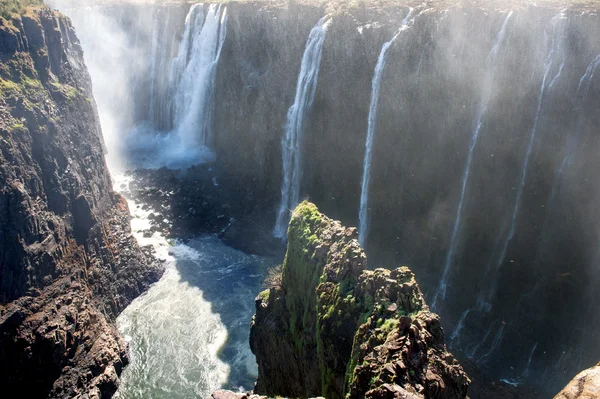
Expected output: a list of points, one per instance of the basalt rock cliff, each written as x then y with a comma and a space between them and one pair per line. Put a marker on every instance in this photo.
331, 328
68, 262
526, 239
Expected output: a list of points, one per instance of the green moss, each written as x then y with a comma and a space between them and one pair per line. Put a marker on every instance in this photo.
17, 127
265, 295
389, 325
68, 91
9, 88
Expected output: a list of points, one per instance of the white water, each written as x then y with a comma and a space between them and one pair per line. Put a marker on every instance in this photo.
586, 80
495, 343
192, 84
363, 217
188, 334
291, 144
486, 96
194, 99
157, 64
184, 84
459, 326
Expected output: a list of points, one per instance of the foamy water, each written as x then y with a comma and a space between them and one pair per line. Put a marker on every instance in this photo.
188, 334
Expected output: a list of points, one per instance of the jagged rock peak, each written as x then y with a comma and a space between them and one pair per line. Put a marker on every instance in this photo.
331, 328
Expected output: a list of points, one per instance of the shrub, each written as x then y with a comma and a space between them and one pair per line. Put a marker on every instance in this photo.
10, 7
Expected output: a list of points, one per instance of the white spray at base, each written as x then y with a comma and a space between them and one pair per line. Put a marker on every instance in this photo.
192, 81
363, 216
188, 364
486, 96
291, 144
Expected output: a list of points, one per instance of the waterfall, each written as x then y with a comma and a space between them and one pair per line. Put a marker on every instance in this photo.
372, 124
528, 366
196, 65
586, 80
486, 95
158, 56
459, 326
547, 84
291, 144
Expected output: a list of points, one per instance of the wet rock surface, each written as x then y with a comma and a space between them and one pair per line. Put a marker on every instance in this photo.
69, 263
201, 200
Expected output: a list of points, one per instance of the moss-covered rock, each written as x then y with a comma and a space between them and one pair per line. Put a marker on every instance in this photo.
335, 329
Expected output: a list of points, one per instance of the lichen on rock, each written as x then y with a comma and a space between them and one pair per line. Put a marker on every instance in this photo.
337, 330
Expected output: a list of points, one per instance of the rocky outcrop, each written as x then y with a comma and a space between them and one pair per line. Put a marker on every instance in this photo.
585, 385
68, 262
334, 329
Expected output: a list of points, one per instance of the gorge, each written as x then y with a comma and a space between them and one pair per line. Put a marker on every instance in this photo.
460, 138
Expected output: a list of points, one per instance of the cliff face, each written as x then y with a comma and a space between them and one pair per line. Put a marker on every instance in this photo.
585, 385
68, 261
333, 329
526, 243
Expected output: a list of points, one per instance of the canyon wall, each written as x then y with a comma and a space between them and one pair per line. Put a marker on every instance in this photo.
69, 263
483, 168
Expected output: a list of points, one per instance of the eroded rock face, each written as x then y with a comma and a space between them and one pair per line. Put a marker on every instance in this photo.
586, 385
68, 262
336, 330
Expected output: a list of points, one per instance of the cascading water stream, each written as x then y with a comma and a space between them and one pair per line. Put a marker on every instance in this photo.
486, 96
483, 301
485, 296
546, 85
291, 144
158, 56
187, 84
194, 95
372, 125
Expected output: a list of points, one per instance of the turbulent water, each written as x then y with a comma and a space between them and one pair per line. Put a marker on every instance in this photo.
189, 333
297, 115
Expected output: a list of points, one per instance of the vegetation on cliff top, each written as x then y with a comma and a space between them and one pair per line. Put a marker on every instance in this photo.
10, 7
334, 6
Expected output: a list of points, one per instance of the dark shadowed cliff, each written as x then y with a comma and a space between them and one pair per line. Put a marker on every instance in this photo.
69, 263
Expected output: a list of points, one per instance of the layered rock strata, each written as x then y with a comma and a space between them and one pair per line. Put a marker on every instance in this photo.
68, 262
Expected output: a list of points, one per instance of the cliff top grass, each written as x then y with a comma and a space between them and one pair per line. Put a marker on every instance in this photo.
11, 7
337, 5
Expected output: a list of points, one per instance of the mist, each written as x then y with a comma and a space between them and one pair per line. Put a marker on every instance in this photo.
484, 141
